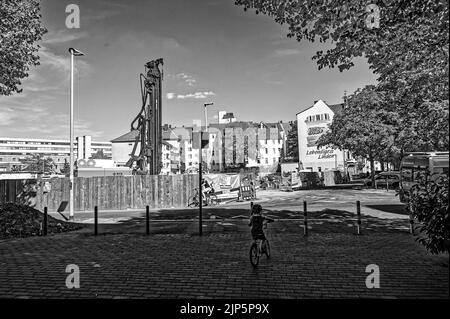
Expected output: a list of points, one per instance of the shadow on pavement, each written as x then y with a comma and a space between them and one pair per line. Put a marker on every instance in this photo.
394, 209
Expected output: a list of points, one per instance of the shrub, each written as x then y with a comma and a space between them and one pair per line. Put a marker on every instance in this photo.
428, 203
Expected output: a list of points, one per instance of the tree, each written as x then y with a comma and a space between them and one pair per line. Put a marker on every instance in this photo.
99, 155
292, 142
66, 169
20, 30
362, 128
39, 164
408, 50
428, 203
426, 129
411, 35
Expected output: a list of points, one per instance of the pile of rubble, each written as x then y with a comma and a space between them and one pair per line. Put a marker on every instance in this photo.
17, 221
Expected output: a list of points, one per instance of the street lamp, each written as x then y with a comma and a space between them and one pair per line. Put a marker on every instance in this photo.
73, 52
206, 115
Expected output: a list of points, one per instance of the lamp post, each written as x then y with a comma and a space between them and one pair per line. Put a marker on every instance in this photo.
206, 115
73, 53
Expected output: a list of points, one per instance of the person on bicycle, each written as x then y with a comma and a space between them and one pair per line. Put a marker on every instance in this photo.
206, 188
257, 221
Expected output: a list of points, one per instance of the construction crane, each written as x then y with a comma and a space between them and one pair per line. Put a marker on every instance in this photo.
145, 157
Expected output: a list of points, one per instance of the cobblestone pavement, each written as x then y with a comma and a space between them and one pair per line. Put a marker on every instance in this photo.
325, 264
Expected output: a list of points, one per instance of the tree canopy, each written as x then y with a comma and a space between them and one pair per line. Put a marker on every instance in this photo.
39, 164
292, 143
407, 48
20, 30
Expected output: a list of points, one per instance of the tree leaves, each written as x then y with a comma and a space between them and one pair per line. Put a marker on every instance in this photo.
20, 30
429, 203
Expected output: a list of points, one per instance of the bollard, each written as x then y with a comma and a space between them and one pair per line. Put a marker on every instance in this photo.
305, 219
358, 214
147, 216
45, 221
95, 220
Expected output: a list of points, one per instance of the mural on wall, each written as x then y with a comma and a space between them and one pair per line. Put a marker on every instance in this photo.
317, 125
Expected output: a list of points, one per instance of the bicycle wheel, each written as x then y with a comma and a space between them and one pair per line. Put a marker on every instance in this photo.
193, 201
213, 200
254, 256
267, 249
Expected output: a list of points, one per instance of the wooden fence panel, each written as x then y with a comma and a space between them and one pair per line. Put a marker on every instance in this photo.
108, 193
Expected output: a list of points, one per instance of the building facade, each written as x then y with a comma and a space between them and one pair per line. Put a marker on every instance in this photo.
122, 148
313, 122
13, 150
230, 146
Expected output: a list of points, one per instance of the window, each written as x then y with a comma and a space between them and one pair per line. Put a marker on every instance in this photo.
267, 161
267, 151
327, 116
190, 164
317, 117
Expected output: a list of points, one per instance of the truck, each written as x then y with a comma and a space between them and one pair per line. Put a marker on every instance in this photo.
416, 164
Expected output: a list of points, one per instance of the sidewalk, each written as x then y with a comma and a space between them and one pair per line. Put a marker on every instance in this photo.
174, 262
217, 266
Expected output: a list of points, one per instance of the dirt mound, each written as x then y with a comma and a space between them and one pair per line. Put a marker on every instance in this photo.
18, 221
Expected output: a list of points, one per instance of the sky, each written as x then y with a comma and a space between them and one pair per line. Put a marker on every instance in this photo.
213, 51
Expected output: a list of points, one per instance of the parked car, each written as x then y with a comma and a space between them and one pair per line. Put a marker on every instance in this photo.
392, 179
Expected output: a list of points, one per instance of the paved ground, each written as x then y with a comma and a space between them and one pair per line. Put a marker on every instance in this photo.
375, 203
177, 263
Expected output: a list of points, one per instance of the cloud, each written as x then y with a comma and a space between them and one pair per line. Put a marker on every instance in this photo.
7, 116
61, 63
63, 36
186, 78
196, 95
285, 52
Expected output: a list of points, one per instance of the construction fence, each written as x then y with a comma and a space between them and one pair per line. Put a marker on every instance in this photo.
107, 193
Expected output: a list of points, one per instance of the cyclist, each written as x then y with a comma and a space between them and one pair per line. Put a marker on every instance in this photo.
256, 222
206, 188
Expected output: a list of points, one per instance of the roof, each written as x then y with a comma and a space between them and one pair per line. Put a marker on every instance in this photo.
336, 108
127, 137
228, 116
169, 135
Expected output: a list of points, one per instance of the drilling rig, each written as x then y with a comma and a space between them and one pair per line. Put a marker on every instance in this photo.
148, 122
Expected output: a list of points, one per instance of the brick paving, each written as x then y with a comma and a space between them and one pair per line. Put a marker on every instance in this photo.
326, 264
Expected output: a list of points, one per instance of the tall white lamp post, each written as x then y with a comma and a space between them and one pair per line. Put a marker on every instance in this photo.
73, 53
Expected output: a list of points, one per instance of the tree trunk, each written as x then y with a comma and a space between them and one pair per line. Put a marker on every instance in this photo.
372, 169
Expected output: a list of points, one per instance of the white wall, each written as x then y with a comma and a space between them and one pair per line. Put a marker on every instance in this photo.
308, 133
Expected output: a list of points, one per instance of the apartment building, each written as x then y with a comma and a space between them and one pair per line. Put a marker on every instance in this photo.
13, 150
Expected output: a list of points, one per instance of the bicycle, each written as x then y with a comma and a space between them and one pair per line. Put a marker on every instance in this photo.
208, 199
259, 247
